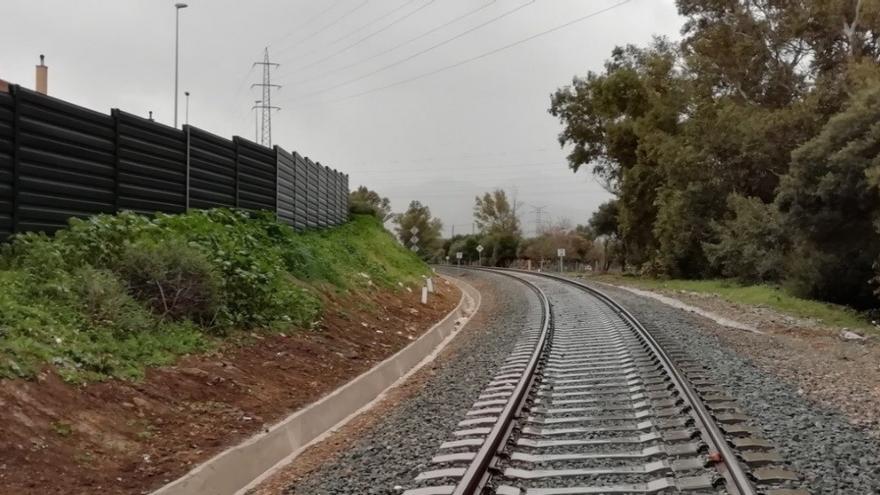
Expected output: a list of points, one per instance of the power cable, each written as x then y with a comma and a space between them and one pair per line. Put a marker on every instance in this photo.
476, 57
395, 47
377, 19
328, 25
306, 23
361, 40
422, 52
474, 168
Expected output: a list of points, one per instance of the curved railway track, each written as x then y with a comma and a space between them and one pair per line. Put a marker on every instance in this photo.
589, 402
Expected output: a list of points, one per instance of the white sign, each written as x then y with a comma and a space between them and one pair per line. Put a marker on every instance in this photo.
414, 230
414, 239
479, 248
458, 255
414, 248
560, 252
447, 258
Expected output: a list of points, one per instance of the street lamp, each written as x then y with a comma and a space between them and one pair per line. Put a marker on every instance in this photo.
256, 119
177, 6
186, 119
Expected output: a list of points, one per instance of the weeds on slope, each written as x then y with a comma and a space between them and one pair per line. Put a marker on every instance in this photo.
114, 294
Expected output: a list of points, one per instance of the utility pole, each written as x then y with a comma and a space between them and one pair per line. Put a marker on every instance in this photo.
266, 106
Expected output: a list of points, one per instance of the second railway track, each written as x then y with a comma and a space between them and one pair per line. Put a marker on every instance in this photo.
589, 402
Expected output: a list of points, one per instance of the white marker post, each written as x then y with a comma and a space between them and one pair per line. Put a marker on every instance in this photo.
430, 283
424, 295
561, 253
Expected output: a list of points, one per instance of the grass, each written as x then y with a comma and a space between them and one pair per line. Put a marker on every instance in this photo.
115, 294
757, 295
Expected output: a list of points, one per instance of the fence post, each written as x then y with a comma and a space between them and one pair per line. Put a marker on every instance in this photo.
114, 114
277, 183
16, 156
186, 192
235, 143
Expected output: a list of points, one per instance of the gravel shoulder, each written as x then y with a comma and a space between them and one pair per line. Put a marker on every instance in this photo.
384, 449
840, 375
815, 397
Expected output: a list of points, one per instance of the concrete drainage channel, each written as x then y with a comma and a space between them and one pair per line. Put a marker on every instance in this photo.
239, 468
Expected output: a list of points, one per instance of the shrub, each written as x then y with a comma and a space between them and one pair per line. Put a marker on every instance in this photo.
105, 301
174, 280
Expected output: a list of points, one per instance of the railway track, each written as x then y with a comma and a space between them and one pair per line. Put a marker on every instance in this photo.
589, 402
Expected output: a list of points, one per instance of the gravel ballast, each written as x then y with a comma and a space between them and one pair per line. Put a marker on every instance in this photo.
832, 455
389, 456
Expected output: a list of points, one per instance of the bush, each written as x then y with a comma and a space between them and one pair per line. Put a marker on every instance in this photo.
174, 280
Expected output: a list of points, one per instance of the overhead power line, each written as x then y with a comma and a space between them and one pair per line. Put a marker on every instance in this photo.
364, 38
325, 27
377, 19
421, 52
352, 33
395, 47
447, 168
306, 22
481, 55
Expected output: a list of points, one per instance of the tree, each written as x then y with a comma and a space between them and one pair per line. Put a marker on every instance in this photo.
494, 213
620, 122
497, 220
367, 201
750, 245
466, 245
605, 224
740, 151
419, 216
832, 204
545, 246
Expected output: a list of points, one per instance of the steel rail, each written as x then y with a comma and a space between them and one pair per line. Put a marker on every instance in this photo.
476, 474
739, 481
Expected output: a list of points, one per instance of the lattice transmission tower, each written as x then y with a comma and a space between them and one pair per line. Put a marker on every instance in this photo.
540, 227
265, 105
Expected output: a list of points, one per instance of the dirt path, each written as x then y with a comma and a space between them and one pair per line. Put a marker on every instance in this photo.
122, 437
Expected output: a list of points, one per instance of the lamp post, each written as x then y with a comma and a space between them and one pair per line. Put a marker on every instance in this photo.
255, 108
177, 6
186, 114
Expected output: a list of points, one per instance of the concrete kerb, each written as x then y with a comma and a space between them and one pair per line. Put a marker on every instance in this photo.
243, 466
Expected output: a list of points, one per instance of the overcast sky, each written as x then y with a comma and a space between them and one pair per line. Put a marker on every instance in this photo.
353, 94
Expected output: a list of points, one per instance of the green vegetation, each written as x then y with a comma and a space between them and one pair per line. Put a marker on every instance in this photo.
363, 201
747, 149
758, 295
418, 216
113, 294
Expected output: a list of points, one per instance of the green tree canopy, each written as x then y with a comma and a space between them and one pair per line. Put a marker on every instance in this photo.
367, 201
831, 204
419, 216
496, 217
